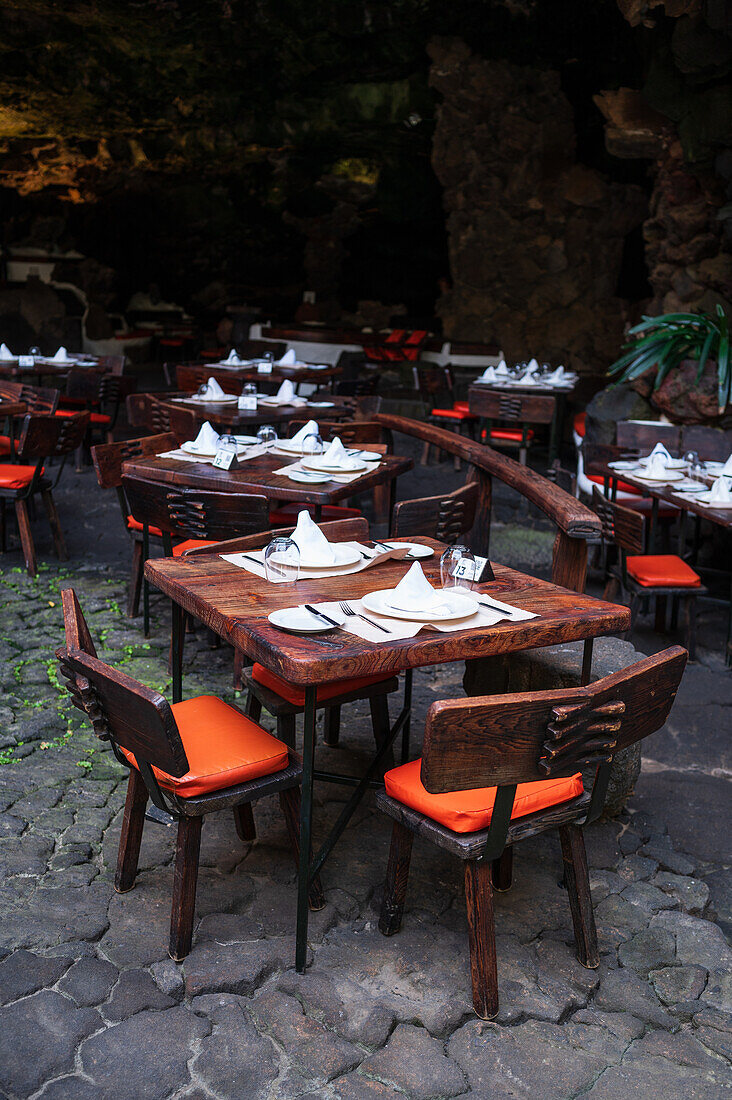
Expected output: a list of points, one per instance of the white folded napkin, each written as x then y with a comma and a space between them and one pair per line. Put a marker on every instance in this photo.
61, 356
213, 389
288, 359
656, 466
6, 353
726, 469
312, 543
558, 375
286, 392
502, 369
533, 366
530, 379
415, 593
233, 358
336, 456
488, 375
311, 428
207, 439
659, 451
720, 492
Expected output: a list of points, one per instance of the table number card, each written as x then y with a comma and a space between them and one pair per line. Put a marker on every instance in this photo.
248, 402
483, 570
26, 361
226, 459
264, 368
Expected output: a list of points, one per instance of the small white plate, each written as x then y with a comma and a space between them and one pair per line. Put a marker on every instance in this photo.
344, 555
300, 621
321, 404
416, 549
696, 487
286, 447
623, 464
662, 479
316, 462
227, 399
458, 607
308, 479
367, 456
671, 463
714, 467
191, 450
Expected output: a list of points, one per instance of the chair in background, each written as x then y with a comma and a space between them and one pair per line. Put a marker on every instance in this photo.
644, 575
189, 376
257, 349
711, 444
42, 437
498, 769
36, 399
189, 759
639, 436
445, 517
108, 459
434, 385
144, 410
506, 418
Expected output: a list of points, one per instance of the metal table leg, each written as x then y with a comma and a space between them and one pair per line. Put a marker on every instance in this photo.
176, 638
306, 821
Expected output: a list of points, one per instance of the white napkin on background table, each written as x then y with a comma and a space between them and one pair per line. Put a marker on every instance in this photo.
61, 356
6, 353
311, 428
502, 369
311, 541
656, 466
285, 396
720, 493
532, 367
530, 379
213, 389
726, 469
233, 358
488, 375
558, 375
659, 451
206, 440
336, 456
288, 359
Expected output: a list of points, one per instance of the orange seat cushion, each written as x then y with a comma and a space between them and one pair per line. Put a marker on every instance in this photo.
622, 486
287, 514
15, 477
224, 748
296, 695
461, 406
511, 435
94, 418
661, 571
468, 811
135, 525
452, 414
5, 445
191, 544
579, 423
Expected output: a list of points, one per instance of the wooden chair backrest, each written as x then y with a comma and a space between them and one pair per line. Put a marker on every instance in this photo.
195, 513
41, 399
337, 530
144, 410
433, 383
519, 408
367, 405
520, 738
443, 517
642, 437
254, 349
350, 432
621, 526
83, 384
46, 436
189, 376
184, 423
711, 444
565, 479
109, 457
78, 635
113, 364
127, 712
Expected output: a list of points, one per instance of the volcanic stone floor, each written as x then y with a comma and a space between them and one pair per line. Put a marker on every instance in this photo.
92, 1007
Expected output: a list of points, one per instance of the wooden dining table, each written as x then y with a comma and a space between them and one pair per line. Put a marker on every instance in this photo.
235, 604
687, 502
230, 417
298, 373
257, 476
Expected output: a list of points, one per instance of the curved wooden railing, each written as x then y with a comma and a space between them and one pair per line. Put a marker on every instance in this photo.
576, 524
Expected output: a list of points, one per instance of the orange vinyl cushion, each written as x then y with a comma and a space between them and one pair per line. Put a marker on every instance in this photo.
224, 748
15, 477
135, 525
622, 486
461, 406
191, 544
94, 418
468, 811
452, 414
579, 423
5, 444
288, 513
296, 695
662, 570
513, 435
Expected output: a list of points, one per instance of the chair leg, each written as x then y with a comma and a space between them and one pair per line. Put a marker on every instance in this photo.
185, 878
577, 881
659, 624
133, 822
253, 707
238, 668
397, 876
54, 522
690, 615
290, 803
133, 594
286, 729
331, 726
424, 461
246, 830
482, 937
26, 537
380, 724
502, 870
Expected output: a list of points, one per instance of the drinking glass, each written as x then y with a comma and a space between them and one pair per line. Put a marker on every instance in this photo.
312, 444
268, 436
35, 351
249, 390
457, 568
694, 468
282, 561
202, 390
228, 443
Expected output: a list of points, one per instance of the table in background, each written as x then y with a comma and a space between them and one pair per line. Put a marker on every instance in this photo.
230, 417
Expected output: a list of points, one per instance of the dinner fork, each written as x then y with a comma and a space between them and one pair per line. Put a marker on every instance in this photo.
350, 613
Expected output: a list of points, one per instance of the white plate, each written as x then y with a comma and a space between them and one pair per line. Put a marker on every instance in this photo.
671, 464
663, 479
321, 404
623, 464
227, 399
308, 479
416, 549
459, 607
696, 488
344, 555
315, 462
714, 467
300, 621
191, 450
286, 447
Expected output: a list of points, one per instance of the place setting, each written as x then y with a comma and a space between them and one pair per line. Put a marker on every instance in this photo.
318, 463
208, 444
657, 468
285, 396
528, 375
210, 393
412, 605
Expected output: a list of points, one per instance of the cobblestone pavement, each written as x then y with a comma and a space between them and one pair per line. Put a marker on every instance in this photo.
91, 1006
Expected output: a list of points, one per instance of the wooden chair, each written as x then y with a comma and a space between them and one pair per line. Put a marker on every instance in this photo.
517, 759
144, 410
711, 444
509, 409
435, 386
36, 399
257, 349
42, 437
444, 517
189, 376
636, 435
644, 575
193, 517
189, 759
108, 459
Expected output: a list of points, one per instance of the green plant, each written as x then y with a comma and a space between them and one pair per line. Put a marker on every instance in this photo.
663, 342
